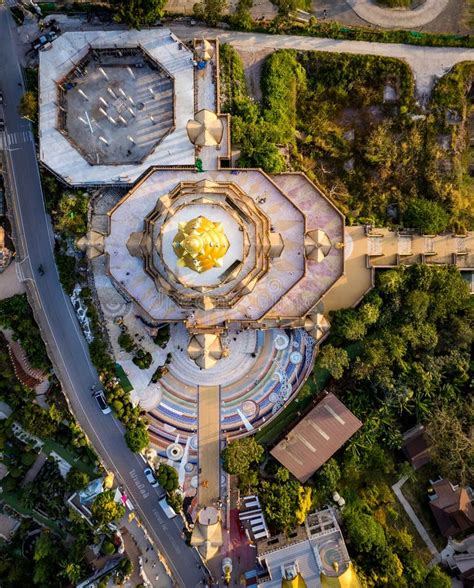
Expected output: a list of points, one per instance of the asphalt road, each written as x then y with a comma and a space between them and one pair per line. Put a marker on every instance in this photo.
60, 328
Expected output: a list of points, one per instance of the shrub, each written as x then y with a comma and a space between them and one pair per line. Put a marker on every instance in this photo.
142, 359
126, 342
426, 216
167, 477
108, 548
137, 437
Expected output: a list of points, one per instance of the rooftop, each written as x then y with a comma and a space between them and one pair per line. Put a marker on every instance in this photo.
144, 78
316, 438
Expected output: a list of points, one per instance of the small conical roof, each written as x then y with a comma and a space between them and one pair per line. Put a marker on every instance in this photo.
205, 51
206, 129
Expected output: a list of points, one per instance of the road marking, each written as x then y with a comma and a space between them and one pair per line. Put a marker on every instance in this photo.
138, 484
17, 138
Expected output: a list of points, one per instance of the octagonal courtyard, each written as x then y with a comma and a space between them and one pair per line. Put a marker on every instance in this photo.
116, 105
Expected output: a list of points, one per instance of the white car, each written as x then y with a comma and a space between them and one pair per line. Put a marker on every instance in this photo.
150, 476
102, 402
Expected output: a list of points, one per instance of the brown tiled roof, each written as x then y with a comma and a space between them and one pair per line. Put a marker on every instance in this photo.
452, 509
416, 447
316, 438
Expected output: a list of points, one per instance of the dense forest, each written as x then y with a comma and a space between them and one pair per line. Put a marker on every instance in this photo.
352, 123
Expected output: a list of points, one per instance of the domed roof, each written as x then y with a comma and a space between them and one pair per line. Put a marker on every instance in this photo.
206, 129
205, 349
200, 244
348, 579
204, 50
317, 245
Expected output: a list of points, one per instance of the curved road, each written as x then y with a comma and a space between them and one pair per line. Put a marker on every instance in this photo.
59, 326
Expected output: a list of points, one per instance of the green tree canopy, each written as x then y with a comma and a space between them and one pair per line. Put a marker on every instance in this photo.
137, 437
334, 359
167, 477
427, 216
138, 13
363, 530
240, 455
105, 510
210, 11
77, 480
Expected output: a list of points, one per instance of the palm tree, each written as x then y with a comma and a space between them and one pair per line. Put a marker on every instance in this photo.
71, 572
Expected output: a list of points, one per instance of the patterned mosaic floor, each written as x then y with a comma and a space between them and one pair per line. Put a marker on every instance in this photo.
263, 370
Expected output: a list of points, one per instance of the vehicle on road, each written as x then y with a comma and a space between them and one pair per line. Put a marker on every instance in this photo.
102, 402
1, 97
169, 512
41, 270
150, 476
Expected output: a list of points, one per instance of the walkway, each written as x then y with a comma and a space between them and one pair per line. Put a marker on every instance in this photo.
397, 488
427, 63
10, 283
400, 19
209, 405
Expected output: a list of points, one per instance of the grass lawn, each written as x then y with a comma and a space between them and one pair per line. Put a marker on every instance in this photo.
70, 457
415, 491
122, 376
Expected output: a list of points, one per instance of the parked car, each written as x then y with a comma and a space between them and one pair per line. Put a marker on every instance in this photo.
150, 476
102, 402
43, 43
169, 512
1, 97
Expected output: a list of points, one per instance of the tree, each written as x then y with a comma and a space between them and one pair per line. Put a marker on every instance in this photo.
46, 556
285, 504
72, 572
29, 106
364, 532
437, 578
175, 500
334, 359
71, 214
346, 325
167, 477
258, 149
451, 442
38, 421
137, 437
77, 480
108, 548
210, 11
105, 510
137, 13
126, 342
427, 216
327, 477
240, 455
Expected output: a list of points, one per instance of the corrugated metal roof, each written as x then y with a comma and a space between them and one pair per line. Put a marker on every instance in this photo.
316, 438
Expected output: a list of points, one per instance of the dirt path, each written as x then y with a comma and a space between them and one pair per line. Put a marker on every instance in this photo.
253, 63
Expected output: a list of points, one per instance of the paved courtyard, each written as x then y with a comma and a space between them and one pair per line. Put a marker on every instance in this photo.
119, 106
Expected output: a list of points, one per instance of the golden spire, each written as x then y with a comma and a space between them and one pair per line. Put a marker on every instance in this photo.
200, 244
